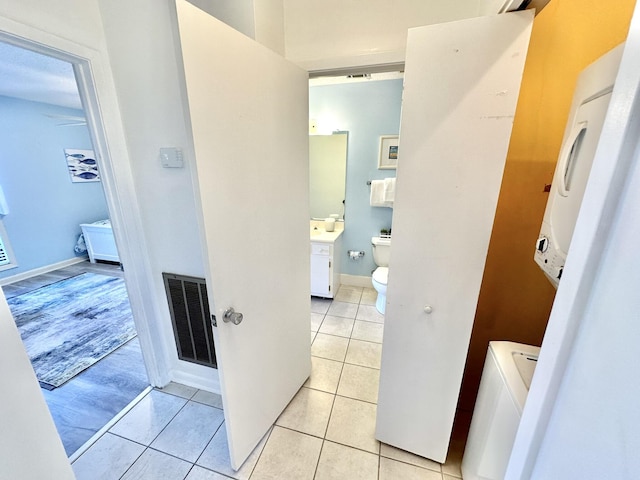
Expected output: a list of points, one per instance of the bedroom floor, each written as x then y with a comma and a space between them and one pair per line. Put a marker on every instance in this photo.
326, 432
87, 402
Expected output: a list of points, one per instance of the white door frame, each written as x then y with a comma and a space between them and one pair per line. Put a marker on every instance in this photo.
99, 99
614, 160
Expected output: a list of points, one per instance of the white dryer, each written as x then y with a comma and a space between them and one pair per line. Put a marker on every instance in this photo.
588, 111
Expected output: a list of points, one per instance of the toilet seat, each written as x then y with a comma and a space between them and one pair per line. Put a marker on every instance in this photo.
381, 274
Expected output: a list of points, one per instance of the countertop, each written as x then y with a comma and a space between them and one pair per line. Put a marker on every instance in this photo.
317, 233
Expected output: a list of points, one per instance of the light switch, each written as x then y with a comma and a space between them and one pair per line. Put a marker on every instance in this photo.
171, 157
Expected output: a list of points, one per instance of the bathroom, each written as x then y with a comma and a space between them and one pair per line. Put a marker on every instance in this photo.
366, 109
515, 298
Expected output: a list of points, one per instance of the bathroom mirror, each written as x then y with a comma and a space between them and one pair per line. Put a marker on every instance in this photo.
327, 174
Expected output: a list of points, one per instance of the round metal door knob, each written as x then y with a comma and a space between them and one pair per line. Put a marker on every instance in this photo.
230, 315
428, 309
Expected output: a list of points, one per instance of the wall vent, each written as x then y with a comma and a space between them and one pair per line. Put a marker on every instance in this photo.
4, 256
191, 318
7, 258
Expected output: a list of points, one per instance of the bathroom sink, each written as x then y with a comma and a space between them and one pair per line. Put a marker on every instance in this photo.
317, 233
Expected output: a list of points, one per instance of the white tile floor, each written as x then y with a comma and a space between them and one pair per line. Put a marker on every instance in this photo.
326, 432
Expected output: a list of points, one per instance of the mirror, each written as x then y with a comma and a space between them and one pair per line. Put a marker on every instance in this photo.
327, 174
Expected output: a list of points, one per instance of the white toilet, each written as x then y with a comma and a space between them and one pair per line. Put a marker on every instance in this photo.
381, 250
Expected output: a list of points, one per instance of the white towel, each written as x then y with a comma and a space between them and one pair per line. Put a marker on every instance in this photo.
377, 194
389, 191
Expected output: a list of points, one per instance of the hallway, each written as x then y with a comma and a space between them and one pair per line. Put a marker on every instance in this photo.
326, 432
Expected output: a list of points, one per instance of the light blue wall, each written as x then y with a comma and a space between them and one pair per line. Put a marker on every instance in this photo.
366, 110
46, 208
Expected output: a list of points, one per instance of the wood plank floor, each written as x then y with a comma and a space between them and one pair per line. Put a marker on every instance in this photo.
87, 402
33, 283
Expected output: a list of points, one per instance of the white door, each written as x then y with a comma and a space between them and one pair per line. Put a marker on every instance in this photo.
249, 116
39, 453
461, 87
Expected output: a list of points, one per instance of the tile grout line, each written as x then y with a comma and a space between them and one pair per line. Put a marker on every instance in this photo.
207, 445
253, 470
96, 436
148, 447
315, 472
344, 362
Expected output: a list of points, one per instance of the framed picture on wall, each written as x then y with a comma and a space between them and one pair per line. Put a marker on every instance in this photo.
82, 165
388, 158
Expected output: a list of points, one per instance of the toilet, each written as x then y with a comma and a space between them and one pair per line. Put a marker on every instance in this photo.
381, 250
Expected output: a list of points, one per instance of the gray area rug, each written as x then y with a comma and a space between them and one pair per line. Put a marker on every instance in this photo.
69, 325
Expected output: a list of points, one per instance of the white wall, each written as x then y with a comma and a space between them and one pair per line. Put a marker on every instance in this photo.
269, 22
142, 52
74, 20
145, 72
262, 20
237, 14
489, 7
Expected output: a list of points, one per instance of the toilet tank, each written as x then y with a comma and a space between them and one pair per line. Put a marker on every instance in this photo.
381, 250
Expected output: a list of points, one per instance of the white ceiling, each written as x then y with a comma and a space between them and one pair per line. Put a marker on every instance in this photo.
32, 76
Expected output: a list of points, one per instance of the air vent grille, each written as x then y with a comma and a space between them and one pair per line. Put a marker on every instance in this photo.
4, 256
190, 318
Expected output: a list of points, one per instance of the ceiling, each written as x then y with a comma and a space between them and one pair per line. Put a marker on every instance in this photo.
32, 76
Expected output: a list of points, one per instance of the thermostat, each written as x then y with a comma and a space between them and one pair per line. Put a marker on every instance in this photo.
171, 157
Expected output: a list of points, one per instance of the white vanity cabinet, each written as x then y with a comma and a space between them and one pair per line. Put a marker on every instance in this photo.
325, 266
321, 269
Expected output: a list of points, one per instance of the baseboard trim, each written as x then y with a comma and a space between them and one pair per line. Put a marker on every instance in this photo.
196, 376
39, 271
355, 280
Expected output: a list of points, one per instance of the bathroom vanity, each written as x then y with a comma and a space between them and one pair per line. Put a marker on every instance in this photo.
326, 250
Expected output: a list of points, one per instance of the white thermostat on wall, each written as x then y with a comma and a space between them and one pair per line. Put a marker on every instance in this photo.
171, 157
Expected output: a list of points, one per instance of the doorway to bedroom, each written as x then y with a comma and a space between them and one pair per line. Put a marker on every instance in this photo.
73, 315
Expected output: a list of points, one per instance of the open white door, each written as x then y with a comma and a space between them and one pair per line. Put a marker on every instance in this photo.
462, 81
29, 442
249, 117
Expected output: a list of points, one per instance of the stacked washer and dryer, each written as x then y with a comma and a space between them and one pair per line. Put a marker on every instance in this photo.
509, 367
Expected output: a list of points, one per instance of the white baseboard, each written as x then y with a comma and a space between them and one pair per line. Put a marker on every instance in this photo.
39, 271
355, 280
196, 376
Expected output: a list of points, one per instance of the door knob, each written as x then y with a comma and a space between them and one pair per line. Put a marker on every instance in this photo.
230, 315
